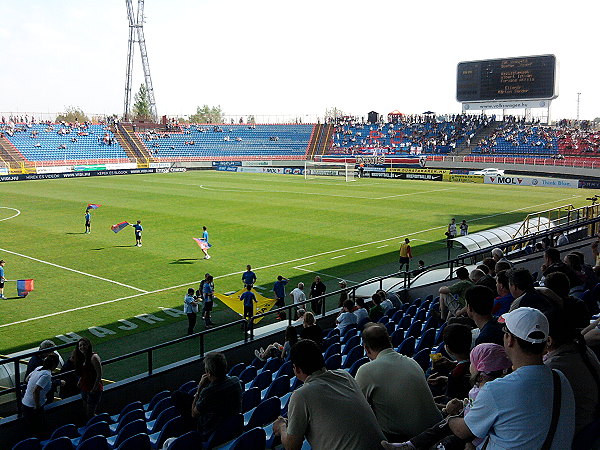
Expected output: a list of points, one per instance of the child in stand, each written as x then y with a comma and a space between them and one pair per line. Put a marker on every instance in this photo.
488, 362
277, 350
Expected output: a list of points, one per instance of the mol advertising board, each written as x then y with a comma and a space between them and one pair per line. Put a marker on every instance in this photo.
531, 181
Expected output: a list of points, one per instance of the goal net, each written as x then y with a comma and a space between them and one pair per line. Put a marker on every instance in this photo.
315, 169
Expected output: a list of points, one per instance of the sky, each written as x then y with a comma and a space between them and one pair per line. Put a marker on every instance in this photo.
283, 59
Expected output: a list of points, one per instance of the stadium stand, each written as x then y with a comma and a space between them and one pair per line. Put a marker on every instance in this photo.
64, 142
193, 142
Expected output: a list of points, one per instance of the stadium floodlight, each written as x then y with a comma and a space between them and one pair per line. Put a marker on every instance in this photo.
136, 27
315, 169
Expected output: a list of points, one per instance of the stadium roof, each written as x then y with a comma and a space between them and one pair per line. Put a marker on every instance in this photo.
499, 235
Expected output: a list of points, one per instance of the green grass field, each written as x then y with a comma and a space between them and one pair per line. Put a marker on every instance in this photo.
279, 224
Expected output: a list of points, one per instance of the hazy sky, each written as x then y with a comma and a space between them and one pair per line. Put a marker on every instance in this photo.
290, 58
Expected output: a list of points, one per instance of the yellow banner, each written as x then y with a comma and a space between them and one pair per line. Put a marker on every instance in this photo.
233, 301
466, 178
417, 170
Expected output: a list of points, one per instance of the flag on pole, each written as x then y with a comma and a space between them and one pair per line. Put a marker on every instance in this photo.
119, 226
202, 243
24, 287
92, 206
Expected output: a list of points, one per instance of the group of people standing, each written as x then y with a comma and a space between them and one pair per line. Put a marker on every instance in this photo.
451, 232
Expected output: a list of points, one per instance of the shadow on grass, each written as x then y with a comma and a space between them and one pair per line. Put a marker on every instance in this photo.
83, 232
184, 261
113, 246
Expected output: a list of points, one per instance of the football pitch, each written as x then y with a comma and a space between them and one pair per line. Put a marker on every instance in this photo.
281, 225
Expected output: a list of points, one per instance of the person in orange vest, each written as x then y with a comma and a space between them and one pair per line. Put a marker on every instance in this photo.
405, 254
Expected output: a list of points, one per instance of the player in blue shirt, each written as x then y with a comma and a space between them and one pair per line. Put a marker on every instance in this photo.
88, 218
248, 297
279, 290
2, 279
249, 277
204, 245
138, 233
208, 290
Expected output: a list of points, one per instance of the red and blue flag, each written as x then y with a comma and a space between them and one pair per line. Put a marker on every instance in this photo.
24, 287
92, 206
119, 226
202, 243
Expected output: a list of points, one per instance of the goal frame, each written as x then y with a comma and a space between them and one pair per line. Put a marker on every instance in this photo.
317, 169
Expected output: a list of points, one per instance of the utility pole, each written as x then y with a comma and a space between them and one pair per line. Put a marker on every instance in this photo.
136, 30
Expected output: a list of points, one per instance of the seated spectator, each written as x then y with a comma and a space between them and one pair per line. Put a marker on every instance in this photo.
516, 411
346, 317
449, 305
480, 301
498, 255
276, 350
504, 300
480, 276
310, 329
314, 410
591, 279
386, 303
361, 311
218, 397
552, 263
490, 263
394, 386
578, 281
457, 343
502, 265
488, 362
568, 353
572, 306
520, 283
39, 383
376, 312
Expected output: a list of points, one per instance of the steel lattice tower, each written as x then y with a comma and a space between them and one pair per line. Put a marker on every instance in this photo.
136, 29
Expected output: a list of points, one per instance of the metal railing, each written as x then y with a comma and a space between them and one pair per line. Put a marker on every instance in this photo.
588, 227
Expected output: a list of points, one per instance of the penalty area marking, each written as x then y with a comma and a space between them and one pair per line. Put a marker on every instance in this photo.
304, 258
12, 209
74, 270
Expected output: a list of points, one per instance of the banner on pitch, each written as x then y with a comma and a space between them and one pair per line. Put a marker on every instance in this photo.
92, 206
233, 301
119, 226
24, 287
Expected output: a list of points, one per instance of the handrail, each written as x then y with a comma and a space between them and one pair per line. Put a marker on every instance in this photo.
249, 325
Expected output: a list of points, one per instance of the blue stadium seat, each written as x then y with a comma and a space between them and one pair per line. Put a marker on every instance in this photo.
253, 439
59, 443
266, 412
350, 344
332, 350
261, 381
278, 387
272, 364
130, 407
407, 347
285, 369
236, 370
96, 429
97, 442
158, 408
28, 444
353, 355
156, 425
427, 340
157, 398
334, 362
131, 429
250, 399
359, 362
102, 417
136, 414
174, 427
397, 337
139, 441
227, 430
422, 357
248, 374
69, 430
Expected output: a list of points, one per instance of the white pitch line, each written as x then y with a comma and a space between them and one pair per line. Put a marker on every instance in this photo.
304, 265
304, 258
336, 257
362, 251
413, 193
73, 270
11, 217
328, 275
381, 246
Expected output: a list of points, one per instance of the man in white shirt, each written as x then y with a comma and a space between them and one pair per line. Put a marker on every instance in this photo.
39, 382
298, 294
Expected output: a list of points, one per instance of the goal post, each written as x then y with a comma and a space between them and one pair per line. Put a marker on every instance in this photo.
316, 169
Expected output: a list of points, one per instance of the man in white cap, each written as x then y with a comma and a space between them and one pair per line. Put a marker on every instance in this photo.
533, 407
